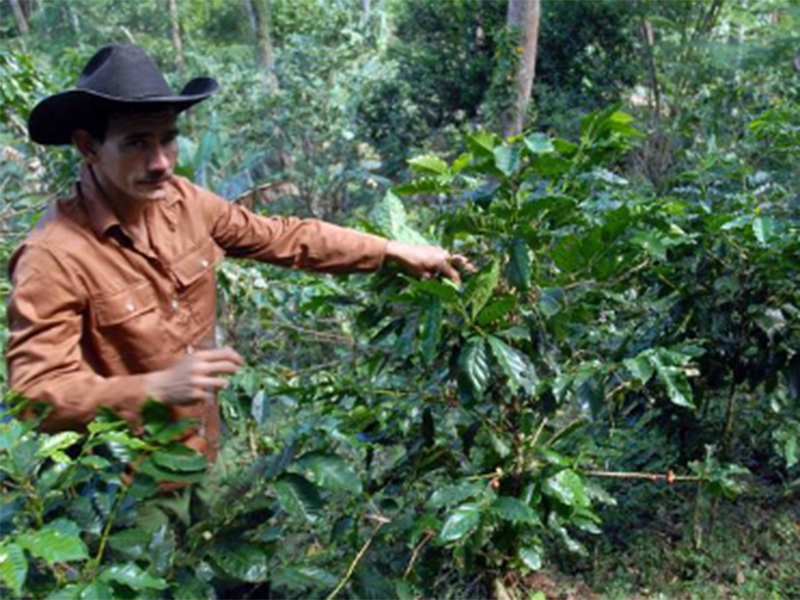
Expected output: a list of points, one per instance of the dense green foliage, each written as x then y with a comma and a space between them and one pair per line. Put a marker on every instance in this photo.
636, 311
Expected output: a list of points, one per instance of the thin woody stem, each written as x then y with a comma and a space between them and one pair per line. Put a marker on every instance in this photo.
646, 476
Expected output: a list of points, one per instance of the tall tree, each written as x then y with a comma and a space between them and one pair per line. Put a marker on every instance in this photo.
523, 18
20, 16
260, 10
177, 43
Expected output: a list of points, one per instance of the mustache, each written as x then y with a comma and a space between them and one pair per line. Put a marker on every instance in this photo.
161, 177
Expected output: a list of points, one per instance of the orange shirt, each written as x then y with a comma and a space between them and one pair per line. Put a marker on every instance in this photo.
91, 312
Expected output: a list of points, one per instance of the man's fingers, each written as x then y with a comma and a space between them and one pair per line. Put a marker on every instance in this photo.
462, 262
216, 368
207, 384
448, 271
220, 354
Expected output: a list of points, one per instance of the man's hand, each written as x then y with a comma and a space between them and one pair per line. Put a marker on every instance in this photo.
195, 378
427, 261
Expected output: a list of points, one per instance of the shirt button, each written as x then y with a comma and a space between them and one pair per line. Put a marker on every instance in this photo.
130, 307
174, 304
204, 262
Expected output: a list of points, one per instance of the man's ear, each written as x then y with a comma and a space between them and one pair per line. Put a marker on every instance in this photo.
85, 144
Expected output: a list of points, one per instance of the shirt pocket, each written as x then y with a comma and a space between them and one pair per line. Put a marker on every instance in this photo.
128, 325
197, 282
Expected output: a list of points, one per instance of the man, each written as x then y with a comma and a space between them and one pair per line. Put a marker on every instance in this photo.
114, 291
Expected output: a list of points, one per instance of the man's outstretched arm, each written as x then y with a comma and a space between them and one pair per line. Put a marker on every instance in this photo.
314, 245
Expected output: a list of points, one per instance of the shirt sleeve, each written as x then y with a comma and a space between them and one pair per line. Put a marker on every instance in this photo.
44, 356
289, 241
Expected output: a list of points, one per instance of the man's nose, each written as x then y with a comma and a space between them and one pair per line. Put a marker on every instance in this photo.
158, 160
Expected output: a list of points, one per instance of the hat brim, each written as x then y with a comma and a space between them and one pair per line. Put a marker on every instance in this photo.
54, 119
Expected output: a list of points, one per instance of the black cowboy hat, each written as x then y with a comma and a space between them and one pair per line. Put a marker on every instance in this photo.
117, 75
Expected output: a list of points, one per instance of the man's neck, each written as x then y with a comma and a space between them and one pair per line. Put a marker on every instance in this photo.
130, 211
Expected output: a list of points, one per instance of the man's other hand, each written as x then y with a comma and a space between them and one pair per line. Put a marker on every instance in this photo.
428, 261
196, 378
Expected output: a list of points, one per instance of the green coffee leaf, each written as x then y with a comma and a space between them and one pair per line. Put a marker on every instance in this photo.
149, 467
51, 446
429, 163
461, 522
13, 567
97, 590
132, 576
639, 367
241, 561
679, 389
514, 510
130, 543
496, 309
54, 546
298, 496
330, 471
432, 328
507, 159
538, 143
10, 433
516, 366
482, 143
531, 556
391, 219
473, 366
567, 487
518, 269
454, 494
180, 458
481, 287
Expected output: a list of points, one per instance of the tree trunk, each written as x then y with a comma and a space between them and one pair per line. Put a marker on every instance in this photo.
649, 39
19, 16
177, 43
265, 50
251, 18
523, 16
74, 22
366, 7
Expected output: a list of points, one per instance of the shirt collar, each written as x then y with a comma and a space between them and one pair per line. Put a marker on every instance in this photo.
101, 217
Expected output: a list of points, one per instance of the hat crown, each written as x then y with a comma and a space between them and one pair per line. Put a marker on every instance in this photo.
123, 71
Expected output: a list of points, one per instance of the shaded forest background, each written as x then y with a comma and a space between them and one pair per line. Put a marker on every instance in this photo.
609, 408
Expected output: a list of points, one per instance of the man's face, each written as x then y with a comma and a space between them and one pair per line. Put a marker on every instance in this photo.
138, 156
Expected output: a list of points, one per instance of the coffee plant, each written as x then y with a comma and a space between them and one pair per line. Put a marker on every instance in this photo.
419, 433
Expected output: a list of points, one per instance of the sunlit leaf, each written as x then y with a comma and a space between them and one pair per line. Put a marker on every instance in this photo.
507, 159
54, 546
429, 163
567, 487
132, 576
538, 143
461, 522
531, 556
13, 567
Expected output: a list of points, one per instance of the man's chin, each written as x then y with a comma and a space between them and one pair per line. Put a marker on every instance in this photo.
152, 192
